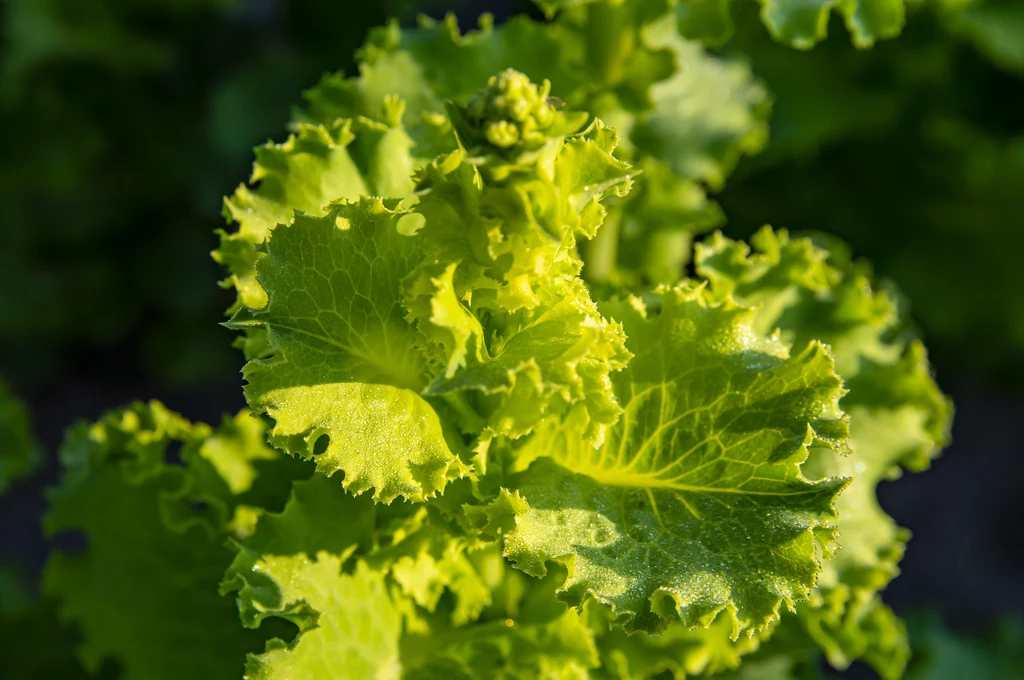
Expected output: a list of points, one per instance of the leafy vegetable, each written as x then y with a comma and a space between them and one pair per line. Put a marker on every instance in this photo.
681, 510
507, 436
682, 448
144, 587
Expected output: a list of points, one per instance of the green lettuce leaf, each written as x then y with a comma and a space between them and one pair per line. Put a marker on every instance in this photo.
524, 632
802, 24
794, 23
297, 565
34, 643
659, 82
435, 563
293, 567
318, 164
679, 652
797, 24
145, 586
234, 451
995, 28
344, 363
19, 453
700, 121
694, 503
388, 333
848, 624
348, 626
898, 419
709, 113
669, 459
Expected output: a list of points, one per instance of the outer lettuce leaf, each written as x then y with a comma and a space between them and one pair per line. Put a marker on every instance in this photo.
560, 648
995, 28
235, 450
801, 25
898, 418
35, 645
19, 453
355, 634
291, 567
437, 563
678, 652
804, 296
686, 507
319, 163
525, 632
902, 421
431, 559
650, 238
297, 565
702, 118
853, 625
798, 24
344, 362
144, 588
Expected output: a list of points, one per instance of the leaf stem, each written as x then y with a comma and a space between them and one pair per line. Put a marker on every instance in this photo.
459, 403
603, 250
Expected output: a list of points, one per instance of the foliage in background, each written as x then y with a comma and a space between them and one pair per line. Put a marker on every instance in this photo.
19, 454
912, 152
34, 643
940, 654
128, 121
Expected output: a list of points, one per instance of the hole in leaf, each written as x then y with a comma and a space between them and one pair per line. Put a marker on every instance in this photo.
410, 224
321, 444
172, 453
71, 542
282, 629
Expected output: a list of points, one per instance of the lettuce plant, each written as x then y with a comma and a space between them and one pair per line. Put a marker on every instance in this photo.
483, 439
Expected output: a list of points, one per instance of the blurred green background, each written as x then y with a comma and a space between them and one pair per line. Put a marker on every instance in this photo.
127, 121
